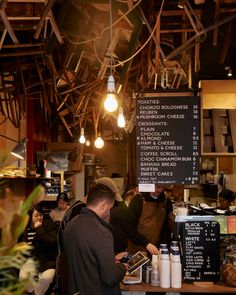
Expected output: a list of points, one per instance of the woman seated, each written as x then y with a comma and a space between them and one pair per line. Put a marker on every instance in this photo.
39, 268
62, 206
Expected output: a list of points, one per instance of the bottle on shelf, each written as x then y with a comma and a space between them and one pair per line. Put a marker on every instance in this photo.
164, 269
161, 248
173, 246
175, 269
155, 275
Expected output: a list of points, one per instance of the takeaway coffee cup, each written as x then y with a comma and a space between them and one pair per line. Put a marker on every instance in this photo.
181, 211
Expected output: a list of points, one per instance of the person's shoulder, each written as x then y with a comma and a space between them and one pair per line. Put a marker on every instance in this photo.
137, 198
54, 210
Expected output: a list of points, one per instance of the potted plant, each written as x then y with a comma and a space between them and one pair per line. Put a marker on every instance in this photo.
13, 223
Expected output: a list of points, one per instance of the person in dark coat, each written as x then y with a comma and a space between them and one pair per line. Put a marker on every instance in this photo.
61, 276
118, 220
88, 244
150, 221
39, 268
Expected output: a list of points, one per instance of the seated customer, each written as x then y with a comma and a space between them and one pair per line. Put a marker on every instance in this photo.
62, 206
226, 198
39, 268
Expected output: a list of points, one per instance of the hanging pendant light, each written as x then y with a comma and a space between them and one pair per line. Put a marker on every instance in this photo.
99, 142
88, 142
110, 103
82, 138
121, 118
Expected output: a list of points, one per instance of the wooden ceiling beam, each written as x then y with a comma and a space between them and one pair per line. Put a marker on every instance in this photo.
25, 1
6, 22
3, 38
25, 53
227, 42
25, 45
217, 14
48, 12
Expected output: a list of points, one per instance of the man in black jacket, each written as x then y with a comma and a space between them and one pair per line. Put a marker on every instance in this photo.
88, 244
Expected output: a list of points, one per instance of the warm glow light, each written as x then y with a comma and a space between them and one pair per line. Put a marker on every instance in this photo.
87, 143
230, 73
99, 142
121, 118
82, 138
18, 156
110, 103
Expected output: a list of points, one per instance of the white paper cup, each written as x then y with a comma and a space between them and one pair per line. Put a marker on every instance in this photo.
181, 211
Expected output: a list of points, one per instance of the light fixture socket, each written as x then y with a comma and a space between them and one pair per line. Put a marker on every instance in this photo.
111, 84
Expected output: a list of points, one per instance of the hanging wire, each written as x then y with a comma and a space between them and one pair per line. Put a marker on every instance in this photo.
111, 51
121, 63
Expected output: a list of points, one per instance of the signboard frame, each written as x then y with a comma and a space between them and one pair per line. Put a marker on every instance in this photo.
160, 104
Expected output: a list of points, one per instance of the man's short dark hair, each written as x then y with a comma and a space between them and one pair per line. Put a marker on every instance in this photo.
98, 193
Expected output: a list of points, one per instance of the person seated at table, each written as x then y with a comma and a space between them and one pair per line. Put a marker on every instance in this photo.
62, 206
226, 198
39, 268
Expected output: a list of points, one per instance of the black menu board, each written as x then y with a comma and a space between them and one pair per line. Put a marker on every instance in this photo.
168, 139
201, 251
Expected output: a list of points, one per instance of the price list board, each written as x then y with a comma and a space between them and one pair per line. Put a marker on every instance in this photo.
201, 251
168, 140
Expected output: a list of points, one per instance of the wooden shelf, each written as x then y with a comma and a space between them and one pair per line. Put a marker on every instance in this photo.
219, 132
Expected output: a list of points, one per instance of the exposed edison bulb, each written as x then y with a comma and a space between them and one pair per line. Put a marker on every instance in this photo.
121, 118
99, 142
87, 143
82, 138
110, 103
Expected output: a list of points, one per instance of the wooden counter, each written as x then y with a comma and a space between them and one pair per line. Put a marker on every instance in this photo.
142, 288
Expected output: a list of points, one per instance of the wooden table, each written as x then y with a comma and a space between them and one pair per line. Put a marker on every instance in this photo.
141, 289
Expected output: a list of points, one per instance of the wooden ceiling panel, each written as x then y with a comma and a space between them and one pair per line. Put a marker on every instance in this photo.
70, 40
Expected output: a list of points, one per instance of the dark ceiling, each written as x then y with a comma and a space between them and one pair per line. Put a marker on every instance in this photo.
56, 54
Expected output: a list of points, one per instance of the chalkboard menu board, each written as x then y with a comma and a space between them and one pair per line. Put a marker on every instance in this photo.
168, 140
201, 251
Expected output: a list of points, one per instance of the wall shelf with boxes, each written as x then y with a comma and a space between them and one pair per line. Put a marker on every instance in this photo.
213, 166
60, 181
208, 169
93, 172
219, 131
